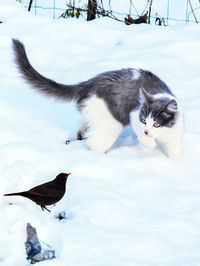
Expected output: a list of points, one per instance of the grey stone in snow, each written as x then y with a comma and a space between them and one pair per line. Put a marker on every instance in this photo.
34, 251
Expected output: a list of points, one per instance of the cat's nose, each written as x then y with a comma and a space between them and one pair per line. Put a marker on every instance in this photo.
146, 132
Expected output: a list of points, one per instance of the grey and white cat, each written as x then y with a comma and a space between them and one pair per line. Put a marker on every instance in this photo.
112, 100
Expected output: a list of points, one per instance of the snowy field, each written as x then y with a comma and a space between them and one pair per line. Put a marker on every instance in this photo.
131, 206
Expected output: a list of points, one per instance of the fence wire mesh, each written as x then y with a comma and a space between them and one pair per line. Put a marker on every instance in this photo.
164, 12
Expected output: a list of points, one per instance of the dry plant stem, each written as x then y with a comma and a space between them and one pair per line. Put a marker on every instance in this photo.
193, 12
102, 12
30, 4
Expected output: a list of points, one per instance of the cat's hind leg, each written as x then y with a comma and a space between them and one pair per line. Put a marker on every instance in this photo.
101, 139
103, 128
82, 131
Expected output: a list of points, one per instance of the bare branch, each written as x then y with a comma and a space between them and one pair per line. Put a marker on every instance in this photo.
30, 4
193, 12
100, 12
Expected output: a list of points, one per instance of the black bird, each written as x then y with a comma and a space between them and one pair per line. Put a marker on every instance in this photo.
46, 194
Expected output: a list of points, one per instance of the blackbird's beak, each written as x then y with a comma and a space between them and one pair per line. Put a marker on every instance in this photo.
69, 174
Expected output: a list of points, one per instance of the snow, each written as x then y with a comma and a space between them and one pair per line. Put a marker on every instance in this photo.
130, 206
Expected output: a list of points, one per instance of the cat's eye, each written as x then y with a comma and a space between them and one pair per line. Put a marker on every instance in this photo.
156, 124
143, 121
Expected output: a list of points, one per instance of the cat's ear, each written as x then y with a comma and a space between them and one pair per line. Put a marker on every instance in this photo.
145, 96
171, 107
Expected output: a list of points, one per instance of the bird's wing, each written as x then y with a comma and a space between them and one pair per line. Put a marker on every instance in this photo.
47, 190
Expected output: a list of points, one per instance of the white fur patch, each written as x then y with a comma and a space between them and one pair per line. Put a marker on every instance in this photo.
140, 128
136, 74
164, 95
103, 127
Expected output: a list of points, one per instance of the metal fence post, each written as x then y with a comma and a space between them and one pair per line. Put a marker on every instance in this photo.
167, 12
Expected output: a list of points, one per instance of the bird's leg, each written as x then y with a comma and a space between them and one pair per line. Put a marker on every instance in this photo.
47, 209
43, 207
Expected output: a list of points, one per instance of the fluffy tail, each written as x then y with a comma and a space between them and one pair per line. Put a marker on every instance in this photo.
44, 85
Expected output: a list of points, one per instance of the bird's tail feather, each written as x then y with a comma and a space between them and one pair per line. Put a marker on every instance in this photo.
41, 83
16, 194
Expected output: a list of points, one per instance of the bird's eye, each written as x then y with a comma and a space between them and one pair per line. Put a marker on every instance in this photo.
143, 121
156, 124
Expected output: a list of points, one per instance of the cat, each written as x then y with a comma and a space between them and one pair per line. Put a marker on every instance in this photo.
111, 100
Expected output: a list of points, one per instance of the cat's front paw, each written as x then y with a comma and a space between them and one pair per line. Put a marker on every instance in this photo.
172, 150
149, 142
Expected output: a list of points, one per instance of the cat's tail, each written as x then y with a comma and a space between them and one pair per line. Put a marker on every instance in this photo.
42, 84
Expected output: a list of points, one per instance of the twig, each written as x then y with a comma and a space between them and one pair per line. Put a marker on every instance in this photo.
150, 6
30, 4
131, 4
100, 12
193, 12
146, 7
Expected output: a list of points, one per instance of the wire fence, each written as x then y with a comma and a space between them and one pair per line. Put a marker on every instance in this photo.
191, 15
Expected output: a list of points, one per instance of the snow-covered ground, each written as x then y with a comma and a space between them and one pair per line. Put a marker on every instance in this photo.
131, 206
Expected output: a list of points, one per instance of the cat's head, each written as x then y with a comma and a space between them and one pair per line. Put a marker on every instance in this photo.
156, 113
